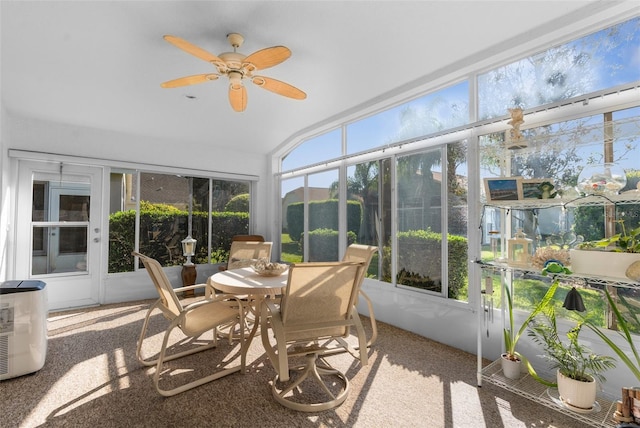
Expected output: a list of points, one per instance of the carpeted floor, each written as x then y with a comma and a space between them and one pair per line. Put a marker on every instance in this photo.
92, 378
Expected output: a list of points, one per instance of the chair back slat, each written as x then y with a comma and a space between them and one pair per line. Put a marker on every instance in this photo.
318, 293
360, 253
245, 253
168, 297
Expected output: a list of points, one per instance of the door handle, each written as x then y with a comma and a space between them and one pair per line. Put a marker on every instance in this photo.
96, 239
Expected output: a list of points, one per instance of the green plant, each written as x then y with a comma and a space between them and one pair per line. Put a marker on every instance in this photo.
570, 357
623, 242
624, 325
511, 336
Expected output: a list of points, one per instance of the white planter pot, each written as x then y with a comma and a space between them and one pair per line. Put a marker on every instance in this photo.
510, 368
601, 263
573, 393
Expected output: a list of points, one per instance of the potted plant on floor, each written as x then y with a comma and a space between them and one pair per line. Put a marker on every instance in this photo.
577, 367
511, 359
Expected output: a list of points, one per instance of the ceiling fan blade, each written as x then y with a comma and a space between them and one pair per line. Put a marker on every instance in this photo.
192, 49
267, 57
189, 80
279, 87
238, 97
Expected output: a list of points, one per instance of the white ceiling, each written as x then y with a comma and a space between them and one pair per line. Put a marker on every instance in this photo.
99, 64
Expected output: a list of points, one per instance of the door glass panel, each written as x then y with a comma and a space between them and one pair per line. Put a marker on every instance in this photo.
73, 208
60, 224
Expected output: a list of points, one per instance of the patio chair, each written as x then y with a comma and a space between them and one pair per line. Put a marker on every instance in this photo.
317, 309
364, 253
193, 320
243, 253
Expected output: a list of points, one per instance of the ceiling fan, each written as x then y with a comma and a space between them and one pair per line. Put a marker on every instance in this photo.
237, 67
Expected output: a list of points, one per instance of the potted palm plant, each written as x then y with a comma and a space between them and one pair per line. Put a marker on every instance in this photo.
511, 359
577, 367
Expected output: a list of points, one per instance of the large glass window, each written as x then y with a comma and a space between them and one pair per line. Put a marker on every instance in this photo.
419, 219
171, 208
323, 218
457, 189
432, 182
368, 187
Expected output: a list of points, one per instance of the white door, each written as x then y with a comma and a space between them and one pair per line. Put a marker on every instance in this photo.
58, 231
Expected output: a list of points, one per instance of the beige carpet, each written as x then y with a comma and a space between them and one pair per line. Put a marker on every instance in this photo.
92, 378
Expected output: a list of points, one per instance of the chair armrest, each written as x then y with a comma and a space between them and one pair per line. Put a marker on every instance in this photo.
189, 287
272, 305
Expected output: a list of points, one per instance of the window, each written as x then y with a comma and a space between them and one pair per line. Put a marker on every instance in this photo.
561, 152
172, 207
406, 149
323, 147
292, 199
432, 221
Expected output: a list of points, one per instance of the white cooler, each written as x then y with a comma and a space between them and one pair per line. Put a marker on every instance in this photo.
23, 327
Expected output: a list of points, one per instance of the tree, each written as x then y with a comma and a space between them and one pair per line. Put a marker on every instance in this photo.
363, 187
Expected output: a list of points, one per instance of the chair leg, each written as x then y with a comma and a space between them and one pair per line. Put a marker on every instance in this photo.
228, 330
162, 359
143, 334
314, 370
372, 318
153, 362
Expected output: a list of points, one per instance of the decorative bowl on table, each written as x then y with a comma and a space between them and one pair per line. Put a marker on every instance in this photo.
264, 267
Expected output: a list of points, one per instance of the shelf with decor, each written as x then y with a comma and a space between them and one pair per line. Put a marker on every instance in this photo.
629, 197
518, 198
563, 277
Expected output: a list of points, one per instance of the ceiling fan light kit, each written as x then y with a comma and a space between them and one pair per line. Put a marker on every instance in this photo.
237, 67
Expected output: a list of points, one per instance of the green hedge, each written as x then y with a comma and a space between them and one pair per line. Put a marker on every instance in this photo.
323, 244
415, 249
322, 215
161, 233
239, 204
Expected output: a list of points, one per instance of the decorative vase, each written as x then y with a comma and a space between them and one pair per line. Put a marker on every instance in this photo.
575, 393
607, 178
512, 369
602, 263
